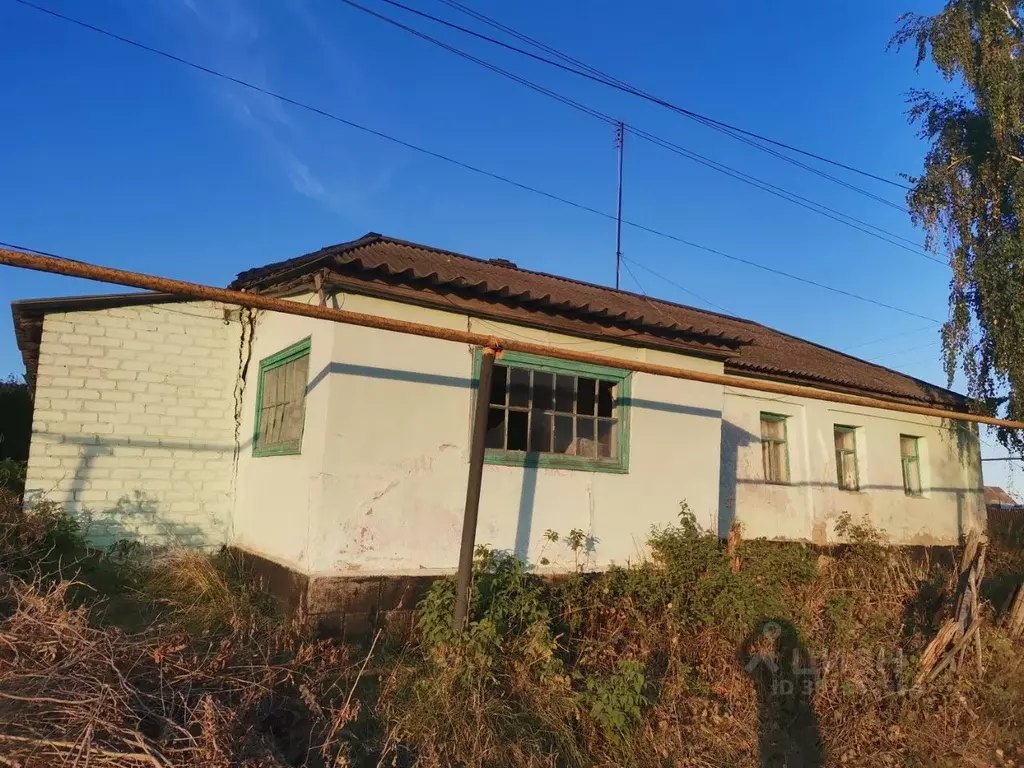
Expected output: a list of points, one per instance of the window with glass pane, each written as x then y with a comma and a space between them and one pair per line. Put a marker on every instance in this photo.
281, 401
564, 415
846, 458
774, 452
911, 459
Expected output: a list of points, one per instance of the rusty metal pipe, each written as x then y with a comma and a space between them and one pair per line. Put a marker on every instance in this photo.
243, 299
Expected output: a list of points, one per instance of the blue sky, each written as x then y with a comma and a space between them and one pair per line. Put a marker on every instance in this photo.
113, 155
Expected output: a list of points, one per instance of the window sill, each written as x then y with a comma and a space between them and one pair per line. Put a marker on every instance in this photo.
263, 453
554, 461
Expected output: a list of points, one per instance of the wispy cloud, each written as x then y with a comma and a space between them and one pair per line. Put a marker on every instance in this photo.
230, 35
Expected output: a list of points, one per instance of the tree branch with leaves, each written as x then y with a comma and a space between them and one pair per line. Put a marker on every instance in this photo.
970, 196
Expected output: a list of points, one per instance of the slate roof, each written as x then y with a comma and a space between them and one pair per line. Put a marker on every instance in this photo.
416, 273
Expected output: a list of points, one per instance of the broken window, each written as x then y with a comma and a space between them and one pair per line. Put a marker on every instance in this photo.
911, 459
774, 451
564, 414
846, 458
281, 401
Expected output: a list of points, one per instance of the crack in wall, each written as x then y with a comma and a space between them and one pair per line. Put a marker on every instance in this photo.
247, 332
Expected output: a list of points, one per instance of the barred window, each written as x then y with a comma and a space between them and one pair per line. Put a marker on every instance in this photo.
559, 413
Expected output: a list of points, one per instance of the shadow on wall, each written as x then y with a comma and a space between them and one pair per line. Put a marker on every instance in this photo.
137, 517
733, 439
527, 496
137, 514
528, 491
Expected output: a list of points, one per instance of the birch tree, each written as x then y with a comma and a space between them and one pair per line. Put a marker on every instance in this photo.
969, 197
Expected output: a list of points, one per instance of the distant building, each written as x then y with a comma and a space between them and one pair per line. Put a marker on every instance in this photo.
997, 497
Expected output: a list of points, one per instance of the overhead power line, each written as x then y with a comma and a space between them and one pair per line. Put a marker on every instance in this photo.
581, 69
812, 205
467, 166
890, 337
904, 351
495, 24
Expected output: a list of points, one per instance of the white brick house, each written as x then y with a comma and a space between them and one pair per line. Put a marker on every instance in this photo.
334, 450
134, 416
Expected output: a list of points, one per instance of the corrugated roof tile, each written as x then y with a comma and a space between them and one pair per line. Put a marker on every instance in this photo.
748, 348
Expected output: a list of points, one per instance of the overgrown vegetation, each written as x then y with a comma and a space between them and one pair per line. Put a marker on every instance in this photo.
664, 663
704, 656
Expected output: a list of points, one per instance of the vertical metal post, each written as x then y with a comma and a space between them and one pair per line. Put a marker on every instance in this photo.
476, 471
620, 141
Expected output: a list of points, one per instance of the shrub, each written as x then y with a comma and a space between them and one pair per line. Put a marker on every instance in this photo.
43, 541
12, 476
617, 701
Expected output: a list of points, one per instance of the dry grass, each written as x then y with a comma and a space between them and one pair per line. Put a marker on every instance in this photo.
74, 693
208, 594
207, 677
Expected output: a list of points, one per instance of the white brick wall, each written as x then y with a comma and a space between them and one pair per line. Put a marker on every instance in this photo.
134, 424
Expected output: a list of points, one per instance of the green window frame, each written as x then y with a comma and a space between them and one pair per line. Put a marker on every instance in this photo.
910, 459
847, 468
581, 428
775, 448
281, 401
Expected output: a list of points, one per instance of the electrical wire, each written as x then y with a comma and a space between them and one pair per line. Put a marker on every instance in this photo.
904, 351
672, 282
581, 69
494, 23
734, 131
804, 202
891, 337
466, 166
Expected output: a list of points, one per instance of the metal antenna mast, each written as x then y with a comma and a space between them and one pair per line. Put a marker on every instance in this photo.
620, 140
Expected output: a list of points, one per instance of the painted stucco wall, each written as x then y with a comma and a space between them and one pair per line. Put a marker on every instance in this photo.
279, 498
133, 429
808, 507
380, 484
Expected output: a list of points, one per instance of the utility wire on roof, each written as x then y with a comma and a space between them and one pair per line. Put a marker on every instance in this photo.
576, 67
467, 166
903, 351
672, 282
891, 336
772, 189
